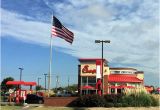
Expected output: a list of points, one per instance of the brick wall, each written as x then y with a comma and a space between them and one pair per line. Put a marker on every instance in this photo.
59, 101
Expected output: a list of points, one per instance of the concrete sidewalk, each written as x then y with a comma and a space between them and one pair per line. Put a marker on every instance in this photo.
125, 108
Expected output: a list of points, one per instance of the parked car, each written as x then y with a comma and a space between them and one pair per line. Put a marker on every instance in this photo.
64, 94
34, 99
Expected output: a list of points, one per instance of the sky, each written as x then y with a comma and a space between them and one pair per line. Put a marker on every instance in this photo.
132, 26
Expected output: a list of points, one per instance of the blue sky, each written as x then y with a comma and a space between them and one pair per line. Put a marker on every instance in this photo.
131, 25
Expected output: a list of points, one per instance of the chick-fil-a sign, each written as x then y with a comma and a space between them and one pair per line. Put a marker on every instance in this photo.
87, 70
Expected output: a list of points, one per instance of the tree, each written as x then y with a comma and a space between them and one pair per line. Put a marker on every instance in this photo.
72, 88
5, 87
58, 89
39, 87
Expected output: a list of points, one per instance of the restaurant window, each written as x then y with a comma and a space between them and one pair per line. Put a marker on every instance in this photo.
124, 72
112, 91
84, 80
116, 71
92, 81
112, 84
119, 91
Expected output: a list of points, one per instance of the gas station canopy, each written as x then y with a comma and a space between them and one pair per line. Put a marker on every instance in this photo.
21, 83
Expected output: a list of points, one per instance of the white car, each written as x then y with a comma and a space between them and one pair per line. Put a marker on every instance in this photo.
64, 94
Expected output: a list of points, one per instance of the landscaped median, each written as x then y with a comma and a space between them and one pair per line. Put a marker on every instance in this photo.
111, 100
94, 102
119, 100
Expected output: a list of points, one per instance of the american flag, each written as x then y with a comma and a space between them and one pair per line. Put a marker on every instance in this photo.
60, 31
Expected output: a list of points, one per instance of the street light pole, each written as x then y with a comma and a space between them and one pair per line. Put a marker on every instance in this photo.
20, 75
68, 81
45, 75
102, 41
38, 81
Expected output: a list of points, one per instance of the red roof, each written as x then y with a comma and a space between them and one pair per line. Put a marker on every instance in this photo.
91, 59
30, 83
121, 86
21, 83
123, 78
15, 82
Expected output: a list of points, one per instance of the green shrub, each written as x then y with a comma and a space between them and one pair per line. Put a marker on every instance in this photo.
132, 100
144, 100
109, 104
53, 95
155, 102
3, 104
96, 101
137, 100
79, 102
124, 104
90, 101
113, 98
118, 105
128, 100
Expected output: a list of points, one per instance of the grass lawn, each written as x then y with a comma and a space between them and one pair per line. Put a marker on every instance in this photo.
7, 107
96, 108
39, 108
68, 108
58, 108
11, 107
125, 108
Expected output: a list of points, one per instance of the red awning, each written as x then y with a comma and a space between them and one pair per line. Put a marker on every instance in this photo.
130, 87
87, 87
113, 87
123, 78
121, 86
21, 83
15, 82
30, 83
91, 59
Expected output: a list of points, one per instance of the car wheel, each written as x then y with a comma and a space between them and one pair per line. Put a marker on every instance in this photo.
40, 101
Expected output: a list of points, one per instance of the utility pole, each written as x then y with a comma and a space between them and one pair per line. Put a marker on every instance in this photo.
20, 75
102, 79
38, 81
45, 76
57, 81
68, 82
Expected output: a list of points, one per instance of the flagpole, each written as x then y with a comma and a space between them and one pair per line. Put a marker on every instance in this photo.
59, 25
50, 66
50, 61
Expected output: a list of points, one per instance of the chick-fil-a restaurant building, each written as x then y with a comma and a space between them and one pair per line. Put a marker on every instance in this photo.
115, 78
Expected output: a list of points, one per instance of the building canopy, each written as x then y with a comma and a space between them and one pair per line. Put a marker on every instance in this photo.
21, 83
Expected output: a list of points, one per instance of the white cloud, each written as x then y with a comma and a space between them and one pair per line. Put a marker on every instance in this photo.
134, 35
15, 25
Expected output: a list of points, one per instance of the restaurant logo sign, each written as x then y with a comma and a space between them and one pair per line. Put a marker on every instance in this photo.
87, 70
